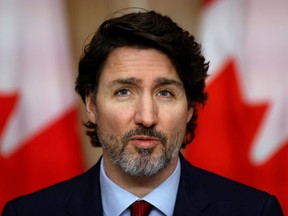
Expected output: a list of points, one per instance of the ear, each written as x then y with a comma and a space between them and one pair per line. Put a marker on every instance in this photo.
90, 109
190, 113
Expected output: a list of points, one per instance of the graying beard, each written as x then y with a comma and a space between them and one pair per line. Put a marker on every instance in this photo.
145, 164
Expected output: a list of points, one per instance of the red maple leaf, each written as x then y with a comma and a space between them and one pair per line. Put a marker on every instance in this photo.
226, 129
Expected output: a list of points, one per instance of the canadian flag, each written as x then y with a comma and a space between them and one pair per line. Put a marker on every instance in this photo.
39, 141
243, 131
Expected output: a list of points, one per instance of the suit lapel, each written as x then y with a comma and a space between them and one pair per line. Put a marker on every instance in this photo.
192, 197
86, 199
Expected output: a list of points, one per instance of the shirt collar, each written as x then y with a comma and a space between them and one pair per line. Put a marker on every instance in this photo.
113, 195
120, 199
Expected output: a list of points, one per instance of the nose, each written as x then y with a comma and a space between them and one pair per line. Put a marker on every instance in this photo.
146, 112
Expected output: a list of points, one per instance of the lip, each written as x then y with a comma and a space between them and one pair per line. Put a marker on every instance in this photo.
145, 142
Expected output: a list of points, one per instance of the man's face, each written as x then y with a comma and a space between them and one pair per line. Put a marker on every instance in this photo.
141, 110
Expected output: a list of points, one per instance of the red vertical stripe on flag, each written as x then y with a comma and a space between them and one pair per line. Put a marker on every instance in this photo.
39, 140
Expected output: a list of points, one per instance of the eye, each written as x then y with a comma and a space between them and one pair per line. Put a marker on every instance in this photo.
123, 92
165, 93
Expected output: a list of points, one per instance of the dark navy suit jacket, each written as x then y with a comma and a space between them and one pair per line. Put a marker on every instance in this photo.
200, 193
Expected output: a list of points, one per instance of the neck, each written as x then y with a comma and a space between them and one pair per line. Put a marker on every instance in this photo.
137, 185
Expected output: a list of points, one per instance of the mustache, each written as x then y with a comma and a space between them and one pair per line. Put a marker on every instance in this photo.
145, 132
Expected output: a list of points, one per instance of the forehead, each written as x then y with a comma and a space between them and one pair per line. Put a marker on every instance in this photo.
139, 63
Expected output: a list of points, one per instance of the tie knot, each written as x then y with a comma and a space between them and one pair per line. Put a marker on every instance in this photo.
140, 208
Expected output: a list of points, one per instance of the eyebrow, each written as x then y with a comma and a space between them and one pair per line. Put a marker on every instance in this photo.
158, 82
166, 81
126, 81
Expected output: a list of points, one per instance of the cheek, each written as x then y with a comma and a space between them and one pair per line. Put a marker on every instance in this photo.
175, 124
113, 120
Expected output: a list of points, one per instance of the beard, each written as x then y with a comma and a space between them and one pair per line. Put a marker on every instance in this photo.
142, 162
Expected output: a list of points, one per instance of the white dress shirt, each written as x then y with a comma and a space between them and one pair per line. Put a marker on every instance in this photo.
116, 200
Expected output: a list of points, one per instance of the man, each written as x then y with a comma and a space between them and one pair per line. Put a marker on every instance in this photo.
142, 79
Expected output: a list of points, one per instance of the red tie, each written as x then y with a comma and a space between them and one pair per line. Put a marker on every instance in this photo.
140, 208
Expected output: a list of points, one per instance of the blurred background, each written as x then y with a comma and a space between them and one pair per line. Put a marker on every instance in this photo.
242, 131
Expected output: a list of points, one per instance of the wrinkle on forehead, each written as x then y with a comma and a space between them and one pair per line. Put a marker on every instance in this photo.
134, 66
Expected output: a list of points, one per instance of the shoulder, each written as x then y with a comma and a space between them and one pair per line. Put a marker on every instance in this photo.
53, 199
225, 194
45, 200
216, 185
